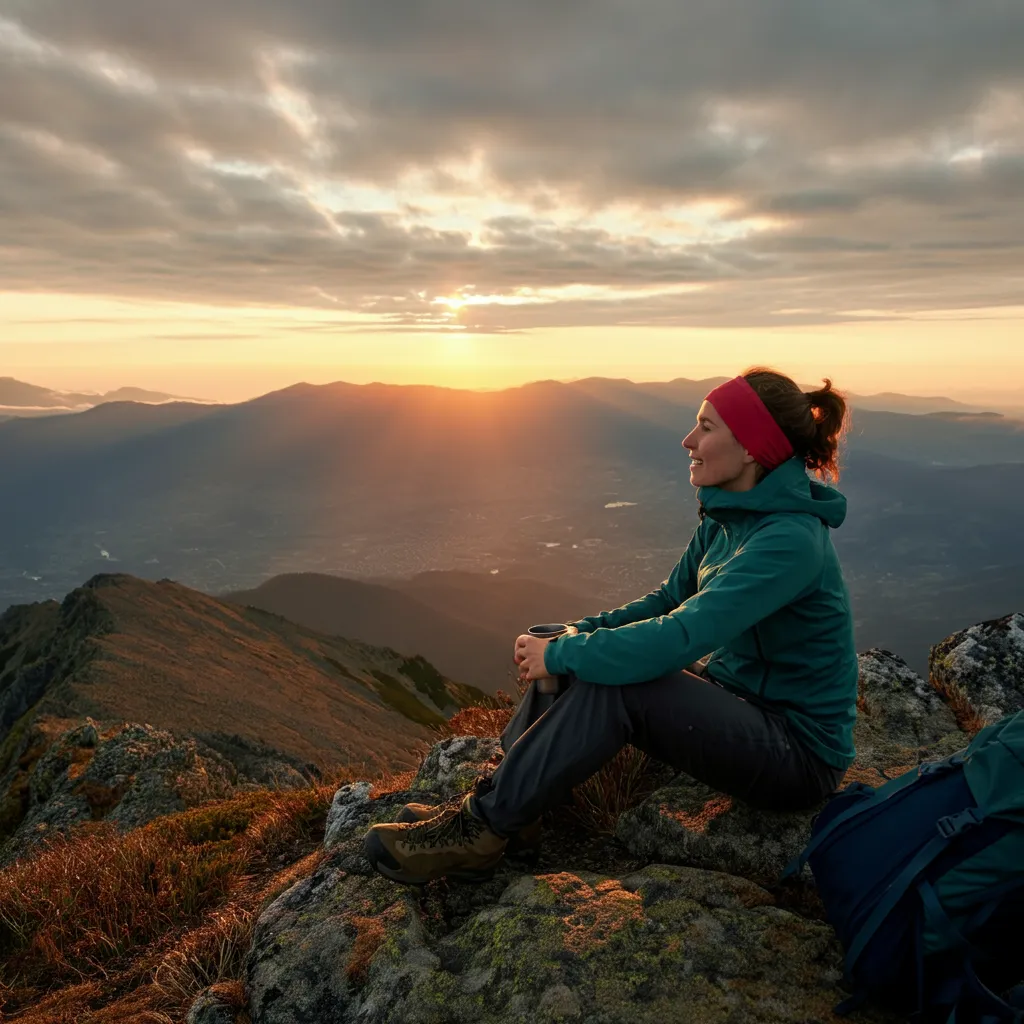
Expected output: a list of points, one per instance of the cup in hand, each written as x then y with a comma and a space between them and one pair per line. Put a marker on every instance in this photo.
548, 631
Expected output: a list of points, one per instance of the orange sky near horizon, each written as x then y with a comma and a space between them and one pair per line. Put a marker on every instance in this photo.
234, 353
247, 196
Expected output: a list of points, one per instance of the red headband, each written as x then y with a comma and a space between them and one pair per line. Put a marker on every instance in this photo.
751, 422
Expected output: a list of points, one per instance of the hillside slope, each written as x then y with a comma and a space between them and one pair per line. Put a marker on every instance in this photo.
120, 648
462, 622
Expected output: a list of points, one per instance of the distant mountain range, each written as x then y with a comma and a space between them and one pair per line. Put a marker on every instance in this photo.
20, 399
121, 648
580, 485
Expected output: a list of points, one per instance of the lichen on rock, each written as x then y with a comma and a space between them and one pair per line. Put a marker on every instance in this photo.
899, 703
663, 943
985, 662
129, 774
688, 822
452, 766
688, 930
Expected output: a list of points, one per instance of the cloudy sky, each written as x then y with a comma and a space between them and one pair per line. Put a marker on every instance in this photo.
226, 196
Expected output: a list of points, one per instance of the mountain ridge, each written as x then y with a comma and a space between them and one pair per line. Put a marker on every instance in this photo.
18, 398
122, 648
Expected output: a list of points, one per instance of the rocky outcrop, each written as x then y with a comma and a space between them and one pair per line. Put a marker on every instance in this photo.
901, 722
452, 766
985, 663
661, 943
680, 916
128, 774
901, 706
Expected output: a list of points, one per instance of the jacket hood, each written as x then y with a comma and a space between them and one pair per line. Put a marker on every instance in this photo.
788, 488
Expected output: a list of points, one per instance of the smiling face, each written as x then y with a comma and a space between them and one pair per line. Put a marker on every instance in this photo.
717, 458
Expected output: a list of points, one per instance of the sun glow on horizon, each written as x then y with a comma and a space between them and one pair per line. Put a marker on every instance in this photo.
226, 353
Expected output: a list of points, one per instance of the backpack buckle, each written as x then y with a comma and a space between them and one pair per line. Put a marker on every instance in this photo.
945, 765
953, 824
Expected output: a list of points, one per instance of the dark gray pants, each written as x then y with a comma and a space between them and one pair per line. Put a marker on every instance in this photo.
555, 742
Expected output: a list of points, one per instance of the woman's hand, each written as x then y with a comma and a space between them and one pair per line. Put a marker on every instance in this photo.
529, 656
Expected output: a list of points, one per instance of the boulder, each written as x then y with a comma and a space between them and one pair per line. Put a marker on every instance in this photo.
985, 663
350, 808
302, 965
452, 766
687, 822
129, 774
214, 1005
657, 944
898, 703
901, 722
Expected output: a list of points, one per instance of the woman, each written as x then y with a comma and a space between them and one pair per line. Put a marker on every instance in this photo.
757, 600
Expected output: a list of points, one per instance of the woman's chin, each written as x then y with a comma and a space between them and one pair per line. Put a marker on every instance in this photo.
700, 477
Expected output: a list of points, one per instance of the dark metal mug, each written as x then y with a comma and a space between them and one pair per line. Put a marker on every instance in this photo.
548, 631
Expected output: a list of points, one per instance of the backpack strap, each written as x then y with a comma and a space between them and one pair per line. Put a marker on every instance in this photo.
950, 991
949, 826
877, 797
987, 1007
938, 919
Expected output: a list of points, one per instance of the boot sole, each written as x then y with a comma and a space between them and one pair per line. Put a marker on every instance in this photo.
378, 856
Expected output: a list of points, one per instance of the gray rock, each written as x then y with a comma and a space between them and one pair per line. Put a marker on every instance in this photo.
304, 963
985, 663
901, 721
689, 823
86, 735
899, 703
660, 944
128, 775
349, 809
559, 1002
694, 935
452, 765
210, 1008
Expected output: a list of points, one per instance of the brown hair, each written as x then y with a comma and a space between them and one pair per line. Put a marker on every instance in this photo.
814, 421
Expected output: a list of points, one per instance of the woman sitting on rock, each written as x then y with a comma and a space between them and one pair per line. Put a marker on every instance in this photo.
740, 669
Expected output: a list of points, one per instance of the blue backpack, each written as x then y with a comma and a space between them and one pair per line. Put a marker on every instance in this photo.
923, 881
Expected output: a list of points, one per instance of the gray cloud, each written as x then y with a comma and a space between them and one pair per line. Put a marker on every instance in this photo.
223, 154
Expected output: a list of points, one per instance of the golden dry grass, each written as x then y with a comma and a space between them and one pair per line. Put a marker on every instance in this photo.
965, 713
627, 779
185, 661
485, 719
103, 926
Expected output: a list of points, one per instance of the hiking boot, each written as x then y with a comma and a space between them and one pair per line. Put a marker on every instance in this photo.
525, 841
453, 844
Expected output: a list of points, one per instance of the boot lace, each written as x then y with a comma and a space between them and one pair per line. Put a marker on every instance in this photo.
457, 827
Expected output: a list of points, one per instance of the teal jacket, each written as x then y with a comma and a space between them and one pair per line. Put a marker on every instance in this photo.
759, 589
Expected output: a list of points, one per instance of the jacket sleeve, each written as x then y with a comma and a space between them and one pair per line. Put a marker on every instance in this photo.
768, 571
681, 584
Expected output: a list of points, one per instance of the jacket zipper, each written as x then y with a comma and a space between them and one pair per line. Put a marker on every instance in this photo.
764, 663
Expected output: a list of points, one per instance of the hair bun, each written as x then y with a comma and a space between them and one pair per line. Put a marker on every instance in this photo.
817, 396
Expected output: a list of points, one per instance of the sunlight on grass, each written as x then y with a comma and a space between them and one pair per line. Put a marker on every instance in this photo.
168, 906
101, 927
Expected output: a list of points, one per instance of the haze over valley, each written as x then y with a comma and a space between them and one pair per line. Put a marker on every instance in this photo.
582, 485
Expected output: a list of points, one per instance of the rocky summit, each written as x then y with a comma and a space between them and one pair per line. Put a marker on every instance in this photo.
677, 917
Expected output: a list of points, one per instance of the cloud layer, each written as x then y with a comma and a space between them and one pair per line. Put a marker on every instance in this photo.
502, 166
